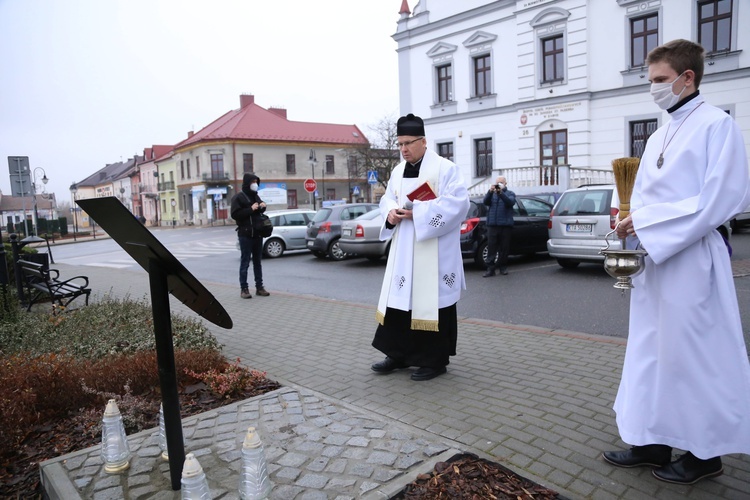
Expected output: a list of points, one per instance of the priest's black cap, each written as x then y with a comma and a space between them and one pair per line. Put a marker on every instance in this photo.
410, 125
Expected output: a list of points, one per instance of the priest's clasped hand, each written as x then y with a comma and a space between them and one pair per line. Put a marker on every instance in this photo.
397, 214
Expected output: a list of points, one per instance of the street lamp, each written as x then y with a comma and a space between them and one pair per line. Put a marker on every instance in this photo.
73, 191
33, 195
313, 161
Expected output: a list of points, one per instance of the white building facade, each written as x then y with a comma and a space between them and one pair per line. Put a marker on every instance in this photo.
549, 92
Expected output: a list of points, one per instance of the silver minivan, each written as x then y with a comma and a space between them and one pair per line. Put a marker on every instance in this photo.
582, 218
579, 223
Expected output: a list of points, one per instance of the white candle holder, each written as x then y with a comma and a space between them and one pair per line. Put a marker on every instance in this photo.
115, 449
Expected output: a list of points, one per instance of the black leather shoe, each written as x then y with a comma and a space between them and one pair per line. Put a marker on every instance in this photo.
503, 271
689, 469
388, 365
428, 372
652, 455
490, 272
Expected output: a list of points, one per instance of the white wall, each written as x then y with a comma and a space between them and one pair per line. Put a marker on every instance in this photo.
595, 103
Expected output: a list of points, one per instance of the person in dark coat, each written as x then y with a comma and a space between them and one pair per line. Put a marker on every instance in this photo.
499, 225
246, 209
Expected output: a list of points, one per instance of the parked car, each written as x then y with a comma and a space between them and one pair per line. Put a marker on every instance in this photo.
289, 231
530, 217
361, 236
581, 220
549, 197
741, 220
324, 230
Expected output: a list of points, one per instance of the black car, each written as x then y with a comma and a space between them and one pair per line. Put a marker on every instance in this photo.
530, 219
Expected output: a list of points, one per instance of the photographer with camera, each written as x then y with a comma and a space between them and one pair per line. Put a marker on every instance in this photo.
500, 201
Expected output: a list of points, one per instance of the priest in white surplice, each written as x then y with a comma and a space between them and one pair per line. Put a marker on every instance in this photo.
418, 324
686, 376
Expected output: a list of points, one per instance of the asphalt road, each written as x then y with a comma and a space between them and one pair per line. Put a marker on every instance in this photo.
536, 291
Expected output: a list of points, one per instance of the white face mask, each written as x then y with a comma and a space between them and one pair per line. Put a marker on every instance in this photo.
253, 187
663, 95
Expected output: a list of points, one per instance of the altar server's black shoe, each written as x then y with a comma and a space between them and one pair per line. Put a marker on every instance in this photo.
689, 469
428, 372
652, 455
388, 365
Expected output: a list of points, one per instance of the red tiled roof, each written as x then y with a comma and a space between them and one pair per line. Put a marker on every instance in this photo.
155, 152
252, 122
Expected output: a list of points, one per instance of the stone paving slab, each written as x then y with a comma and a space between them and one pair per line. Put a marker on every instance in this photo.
315, 448
537, 400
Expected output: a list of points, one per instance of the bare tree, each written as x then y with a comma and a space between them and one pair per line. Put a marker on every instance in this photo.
382, 154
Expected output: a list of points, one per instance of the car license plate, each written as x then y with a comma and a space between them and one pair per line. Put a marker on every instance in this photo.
347, 232
310, 243
579, 228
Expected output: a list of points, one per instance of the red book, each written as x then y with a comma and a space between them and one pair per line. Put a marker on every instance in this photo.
422, 193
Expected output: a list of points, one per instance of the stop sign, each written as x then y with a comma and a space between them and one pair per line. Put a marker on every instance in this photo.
310, 185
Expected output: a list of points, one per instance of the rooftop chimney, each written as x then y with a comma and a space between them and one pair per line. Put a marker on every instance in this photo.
278, 111
190, 134
246, 100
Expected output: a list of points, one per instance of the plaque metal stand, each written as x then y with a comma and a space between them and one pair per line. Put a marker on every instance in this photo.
166, 275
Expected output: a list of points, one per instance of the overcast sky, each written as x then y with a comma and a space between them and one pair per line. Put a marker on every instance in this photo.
84, 83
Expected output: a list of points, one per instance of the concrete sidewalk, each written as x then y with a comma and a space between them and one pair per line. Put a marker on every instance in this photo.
537, 401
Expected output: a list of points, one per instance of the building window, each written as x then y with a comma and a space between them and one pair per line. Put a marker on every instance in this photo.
217, 166
182, 169
187, 167
291, 168
183, 202
644, 36
444, 81
553, 59
445, 149
331, 194
715, 25
640, 131
247, 163
197, 166
330, 168
483, 148
554, 148
291, 198
482, 76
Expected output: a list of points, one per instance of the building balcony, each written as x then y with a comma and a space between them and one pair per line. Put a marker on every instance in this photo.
552, 178
216, 177
165, 186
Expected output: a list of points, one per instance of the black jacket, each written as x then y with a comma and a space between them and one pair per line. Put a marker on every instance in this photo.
501, 204
242, 211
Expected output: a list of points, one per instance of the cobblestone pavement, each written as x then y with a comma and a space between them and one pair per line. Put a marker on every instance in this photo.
538, 401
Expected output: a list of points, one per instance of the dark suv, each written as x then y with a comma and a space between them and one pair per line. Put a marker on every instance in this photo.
324, 231
530, 219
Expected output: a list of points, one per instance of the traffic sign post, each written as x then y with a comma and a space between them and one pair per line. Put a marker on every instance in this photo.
311, 186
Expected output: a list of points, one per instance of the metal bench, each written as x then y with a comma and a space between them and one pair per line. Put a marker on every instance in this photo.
44, 284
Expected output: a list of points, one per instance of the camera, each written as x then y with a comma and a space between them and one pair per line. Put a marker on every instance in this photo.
499, 186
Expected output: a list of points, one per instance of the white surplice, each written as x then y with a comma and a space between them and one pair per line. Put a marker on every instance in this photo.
686, 375
440, 218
